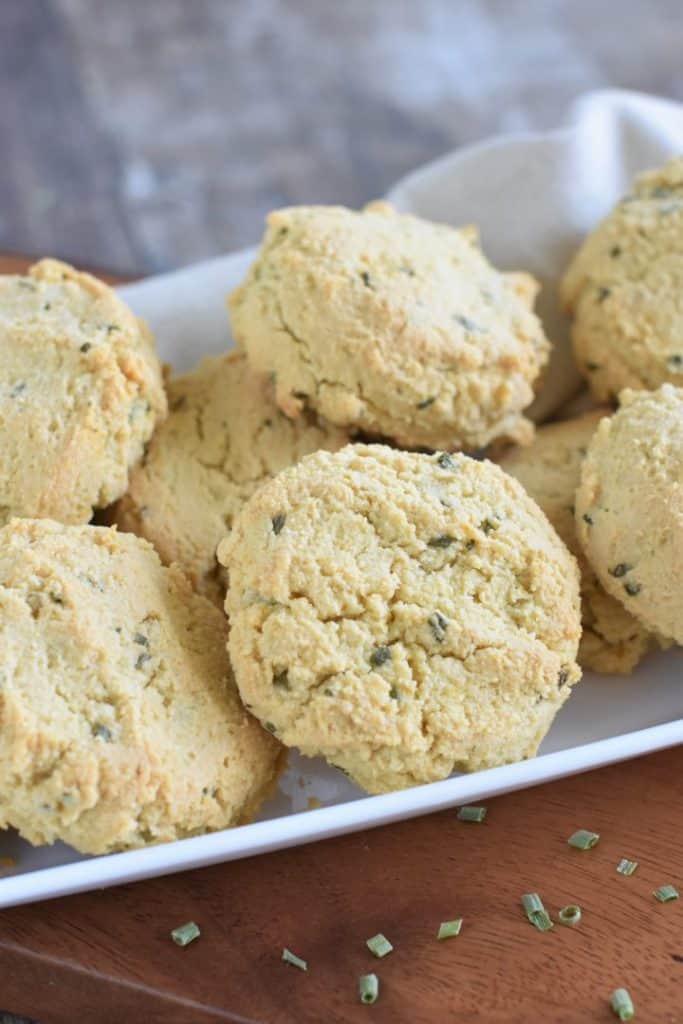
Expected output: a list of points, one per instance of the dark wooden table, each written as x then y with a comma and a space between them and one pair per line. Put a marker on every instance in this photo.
104, 955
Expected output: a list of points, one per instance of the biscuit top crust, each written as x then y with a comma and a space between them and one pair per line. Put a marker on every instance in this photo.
391, 325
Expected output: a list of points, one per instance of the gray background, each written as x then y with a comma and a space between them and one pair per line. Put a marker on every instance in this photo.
144, 134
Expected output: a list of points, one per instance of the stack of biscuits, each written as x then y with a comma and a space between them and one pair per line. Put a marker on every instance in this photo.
297, 550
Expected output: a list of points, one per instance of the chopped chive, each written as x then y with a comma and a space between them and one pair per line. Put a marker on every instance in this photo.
368, 988
535, 912
471, 814
541, 920
622, 1004
665, 893
570, 915
583, 839
449, 929
186, 933
532, 903
294, 960
626, 866
379, 945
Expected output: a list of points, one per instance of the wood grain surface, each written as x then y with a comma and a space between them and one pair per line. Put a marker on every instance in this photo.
105, 955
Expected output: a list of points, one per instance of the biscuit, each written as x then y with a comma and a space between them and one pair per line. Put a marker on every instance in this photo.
120, 723
80, 393
613, 641
402, 614
391, 326
624, 289
629, 507
223, 437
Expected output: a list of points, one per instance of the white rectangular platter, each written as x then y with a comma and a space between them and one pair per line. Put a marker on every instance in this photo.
533, 197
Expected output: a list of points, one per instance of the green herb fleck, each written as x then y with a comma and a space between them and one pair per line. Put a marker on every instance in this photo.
665, 893
112, 327
379, 656
445, 460
278, 522
487, 525
365, 278
86, 346
426, 402
632, 588
536, 914
393, 693
626, 866
379, 945
622, 1004
620, 569
101, 732
592, 367
18, 389
583, 839
443, 540
603, 293
269, 726
587, 519
475, 814
449, 929
281, 679
186, 933
465, 322
562, 676
368, 988
438, 624
675, 360
142, 660
615, 251
294, 960
570, 915
141, 639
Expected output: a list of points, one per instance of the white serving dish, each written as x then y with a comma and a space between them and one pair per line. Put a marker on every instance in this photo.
533, 197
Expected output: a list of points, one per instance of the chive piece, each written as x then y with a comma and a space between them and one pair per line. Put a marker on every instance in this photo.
294, 960
620, 569
532, 903
443, 540
426, 402
368, 988
627, 867
570, 915
277, 522
666, 893
471, 814
583, 839
622, 1004
449, 929
186, 933
379, 945
587, 519
445, 460
633, 588
379, 656
536, 913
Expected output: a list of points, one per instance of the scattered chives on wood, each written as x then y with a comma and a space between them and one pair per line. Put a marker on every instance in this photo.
583, 839
294, 960
186, 933
471, 814
570, 915
626, 866
622, 1004
379, 945
368, 988
449, 929
535, 912
665, 893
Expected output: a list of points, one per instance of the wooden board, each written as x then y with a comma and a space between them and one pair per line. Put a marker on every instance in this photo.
106, 956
